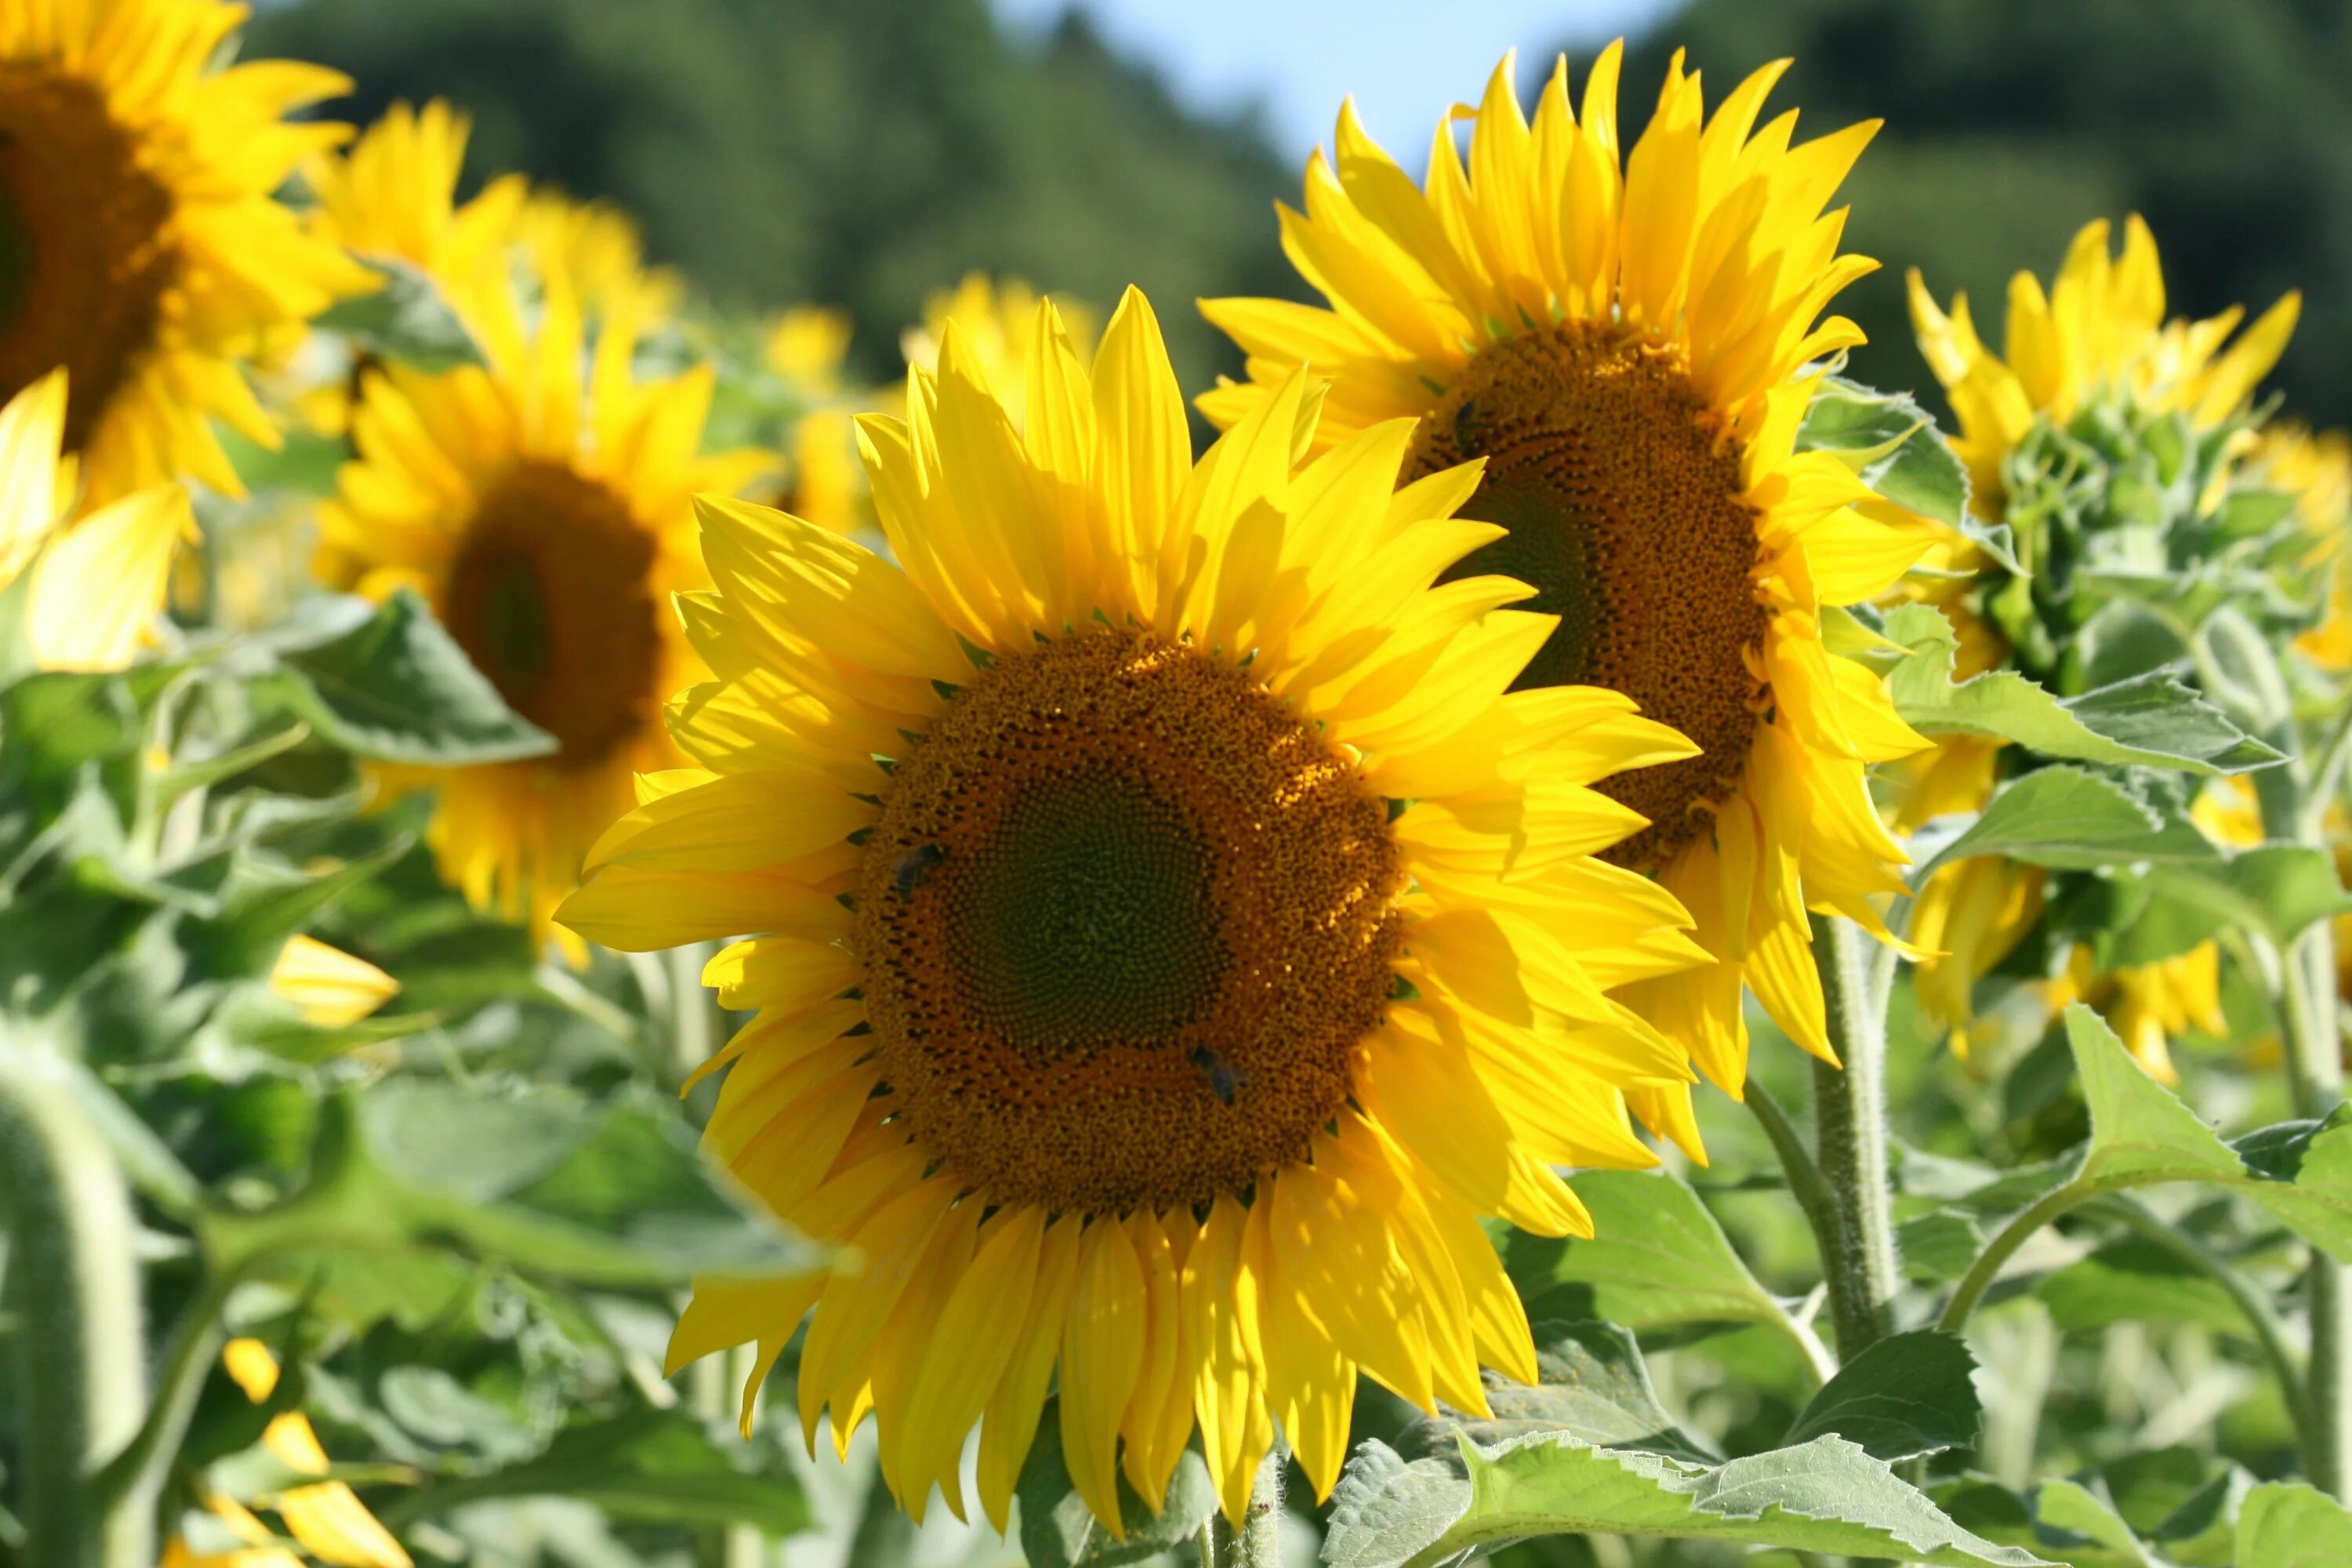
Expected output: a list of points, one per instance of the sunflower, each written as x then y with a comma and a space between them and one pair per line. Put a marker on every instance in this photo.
541, 503
1631, 349
325, 1519
806, 347
2097, 336
994, 316
1174, 939
139, 246
2316, 470
92, 580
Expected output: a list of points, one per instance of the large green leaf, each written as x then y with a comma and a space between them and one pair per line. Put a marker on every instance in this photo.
2278, 890
654, 1467
1658, 1259
1908, 1395
1592, 1384
1058, 1530
2142, 1135
613, 1195
2289, 1525
1825, 1495
396, 687
2150, 720
2071, 818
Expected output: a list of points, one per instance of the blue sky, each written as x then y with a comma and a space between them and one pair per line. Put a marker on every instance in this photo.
1403, 60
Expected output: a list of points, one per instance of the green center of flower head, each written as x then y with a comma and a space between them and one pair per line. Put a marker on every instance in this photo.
1624, 514
550, 598
87, 250
1124, 923
1092, 911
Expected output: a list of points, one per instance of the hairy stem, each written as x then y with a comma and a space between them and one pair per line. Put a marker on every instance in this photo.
82, 1361
1850, 1128
2315, 1064
1258, 1543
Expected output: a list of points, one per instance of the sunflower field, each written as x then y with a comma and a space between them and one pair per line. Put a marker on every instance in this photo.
1538, 926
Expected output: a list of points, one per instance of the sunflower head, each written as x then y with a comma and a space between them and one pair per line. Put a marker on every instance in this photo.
1626, 328
1173, 931
540, 504
141, 247
2121, 459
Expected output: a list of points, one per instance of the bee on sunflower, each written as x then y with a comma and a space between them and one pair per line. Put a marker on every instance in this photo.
540, 502
1173, 934
1630, 341
2118, 454
143, 248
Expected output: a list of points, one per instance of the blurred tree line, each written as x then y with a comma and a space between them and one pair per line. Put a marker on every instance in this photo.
2010, 124
867, 154
860, 152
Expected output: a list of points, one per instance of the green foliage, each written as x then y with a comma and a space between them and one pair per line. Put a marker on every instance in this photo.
1827, 1495
1905, 1397
1057, 1531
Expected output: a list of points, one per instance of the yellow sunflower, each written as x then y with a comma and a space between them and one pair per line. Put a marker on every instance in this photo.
394, 194
325, 1519
2316, 470
2099, 330
806, 345
93, 579
140, 247
540, 504
1630, 343
1174, 939
995, 317
330, 987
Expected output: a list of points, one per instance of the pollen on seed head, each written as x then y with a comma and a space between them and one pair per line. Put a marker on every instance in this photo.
1153, 929
1622, 503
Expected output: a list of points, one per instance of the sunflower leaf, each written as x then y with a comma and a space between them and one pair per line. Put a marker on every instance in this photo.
1824, 1496
1906, 1396
2150, 720
1892, 443
650, 1466
2075, 819
2279, 890
2286, 1524
396, 687
1658, 1260
1058, 1530
1591, 1385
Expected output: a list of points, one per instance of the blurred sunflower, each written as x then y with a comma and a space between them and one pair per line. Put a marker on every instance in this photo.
2316, 470
325, 1519
2096, 339
1631, 349
140, 247
93, 579
806, 347
1174, 938
541, 503
995, 317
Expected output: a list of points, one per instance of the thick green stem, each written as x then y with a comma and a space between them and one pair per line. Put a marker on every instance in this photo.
1850, 1128
1258, 1544
134, 1479
2314, 1063
74, 1278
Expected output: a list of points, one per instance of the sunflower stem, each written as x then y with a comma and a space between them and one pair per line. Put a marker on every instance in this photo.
81, 1373
1258, 1542
1850, 1129
2315, 1065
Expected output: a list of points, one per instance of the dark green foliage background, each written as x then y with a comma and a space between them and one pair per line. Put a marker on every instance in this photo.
866, 154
